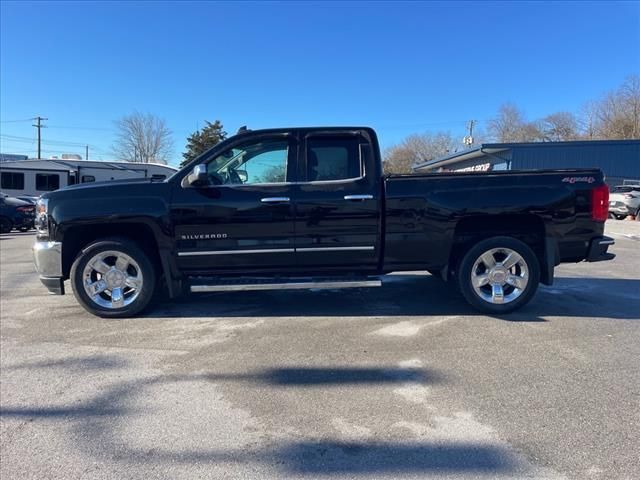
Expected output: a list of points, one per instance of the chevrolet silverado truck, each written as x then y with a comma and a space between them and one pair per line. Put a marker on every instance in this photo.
310, 208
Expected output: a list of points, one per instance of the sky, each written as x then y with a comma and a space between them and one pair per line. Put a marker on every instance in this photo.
400, 67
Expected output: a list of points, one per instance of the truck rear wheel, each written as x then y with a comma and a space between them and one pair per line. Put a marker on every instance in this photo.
499, 275
113, 278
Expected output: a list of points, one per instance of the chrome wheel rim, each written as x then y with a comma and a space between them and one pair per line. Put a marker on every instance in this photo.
112, 279
500, 276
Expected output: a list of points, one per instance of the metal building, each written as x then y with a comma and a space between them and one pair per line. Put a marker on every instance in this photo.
618, 159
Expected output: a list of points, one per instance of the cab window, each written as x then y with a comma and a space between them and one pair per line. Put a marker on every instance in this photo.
333, 158
258, 162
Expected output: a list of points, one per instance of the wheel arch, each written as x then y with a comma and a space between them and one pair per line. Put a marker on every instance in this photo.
528, 228
77, 237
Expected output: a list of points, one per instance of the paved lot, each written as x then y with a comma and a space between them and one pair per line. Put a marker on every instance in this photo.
400, 382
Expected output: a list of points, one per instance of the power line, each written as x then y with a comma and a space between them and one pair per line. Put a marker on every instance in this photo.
50, 142
68, 127
16, 121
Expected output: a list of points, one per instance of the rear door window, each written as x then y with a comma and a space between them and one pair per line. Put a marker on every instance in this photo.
333, 158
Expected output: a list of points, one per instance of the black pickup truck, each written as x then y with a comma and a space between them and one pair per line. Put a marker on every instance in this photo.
310, 208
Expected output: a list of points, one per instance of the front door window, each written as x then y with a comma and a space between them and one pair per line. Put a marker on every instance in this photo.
264, 162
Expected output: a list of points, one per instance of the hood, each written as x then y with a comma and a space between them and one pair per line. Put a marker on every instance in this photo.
106, 183
109, 188
15, 202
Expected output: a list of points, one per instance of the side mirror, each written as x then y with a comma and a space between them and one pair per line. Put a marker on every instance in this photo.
198, 176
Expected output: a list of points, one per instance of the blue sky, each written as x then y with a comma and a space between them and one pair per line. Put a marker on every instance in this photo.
399, 67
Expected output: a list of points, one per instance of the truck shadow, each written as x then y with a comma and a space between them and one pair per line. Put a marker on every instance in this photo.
96, 427
412, 295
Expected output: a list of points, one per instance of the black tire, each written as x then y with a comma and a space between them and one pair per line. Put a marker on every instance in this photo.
620, 217
6, 225
130, 249
464, 275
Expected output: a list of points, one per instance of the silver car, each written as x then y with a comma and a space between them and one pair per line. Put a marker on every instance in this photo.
624, 200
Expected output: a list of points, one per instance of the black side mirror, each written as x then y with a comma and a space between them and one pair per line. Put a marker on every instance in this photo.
198, 176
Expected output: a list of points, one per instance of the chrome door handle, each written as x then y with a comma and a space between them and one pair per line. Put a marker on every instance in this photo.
355, 198
275, 200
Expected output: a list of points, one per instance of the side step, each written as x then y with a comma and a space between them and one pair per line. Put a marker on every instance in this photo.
242, 284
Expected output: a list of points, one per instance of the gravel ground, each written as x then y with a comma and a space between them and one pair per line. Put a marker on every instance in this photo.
400, 382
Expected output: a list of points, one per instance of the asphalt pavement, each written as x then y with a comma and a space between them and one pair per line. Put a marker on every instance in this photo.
404, 381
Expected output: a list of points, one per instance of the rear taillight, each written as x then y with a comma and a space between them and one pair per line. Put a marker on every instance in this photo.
600, 203
25, 209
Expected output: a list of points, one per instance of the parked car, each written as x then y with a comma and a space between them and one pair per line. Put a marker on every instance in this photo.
624, 201
310, 208
27, 198
15, 213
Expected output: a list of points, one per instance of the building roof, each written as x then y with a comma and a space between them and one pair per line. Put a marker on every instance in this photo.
489, 149
484, 149
66, 165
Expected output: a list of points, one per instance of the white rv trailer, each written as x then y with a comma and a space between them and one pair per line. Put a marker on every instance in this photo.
35, 177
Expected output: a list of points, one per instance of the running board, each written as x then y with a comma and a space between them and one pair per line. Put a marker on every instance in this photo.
234, 285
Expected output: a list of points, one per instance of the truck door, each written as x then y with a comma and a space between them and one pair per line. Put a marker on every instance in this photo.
338, 204
242, 221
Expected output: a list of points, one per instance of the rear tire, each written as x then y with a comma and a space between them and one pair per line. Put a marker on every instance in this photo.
6, 225
113, 278
499, 275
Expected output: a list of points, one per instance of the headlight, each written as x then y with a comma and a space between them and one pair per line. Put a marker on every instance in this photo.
42, 221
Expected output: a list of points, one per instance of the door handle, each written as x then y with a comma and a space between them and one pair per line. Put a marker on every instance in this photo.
358, 198
275, 200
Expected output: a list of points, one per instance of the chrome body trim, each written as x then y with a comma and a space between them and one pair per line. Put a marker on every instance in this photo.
275, 200
235, 252
286, 286
332, 249
275, 250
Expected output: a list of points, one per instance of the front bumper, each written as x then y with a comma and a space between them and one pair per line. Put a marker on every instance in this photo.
598, 249
48, 259
620, 209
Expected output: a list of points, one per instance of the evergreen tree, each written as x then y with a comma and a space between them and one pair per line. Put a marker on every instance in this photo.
211, 134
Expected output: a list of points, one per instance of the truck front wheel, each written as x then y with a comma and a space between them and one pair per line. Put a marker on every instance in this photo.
113, 278
499, 275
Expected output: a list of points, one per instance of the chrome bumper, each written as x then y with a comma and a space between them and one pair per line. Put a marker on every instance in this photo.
48, 259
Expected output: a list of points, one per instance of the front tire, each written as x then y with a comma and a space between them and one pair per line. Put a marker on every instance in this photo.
6, 225
113, 278
499, 275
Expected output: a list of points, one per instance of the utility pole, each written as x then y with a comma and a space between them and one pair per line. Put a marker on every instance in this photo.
468, 140
39, 126
86, 152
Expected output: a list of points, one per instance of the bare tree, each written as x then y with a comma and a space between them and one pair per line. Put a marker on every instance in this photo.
510, 125
617, 114
143, 138
559, 127
587, 120
417, 149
